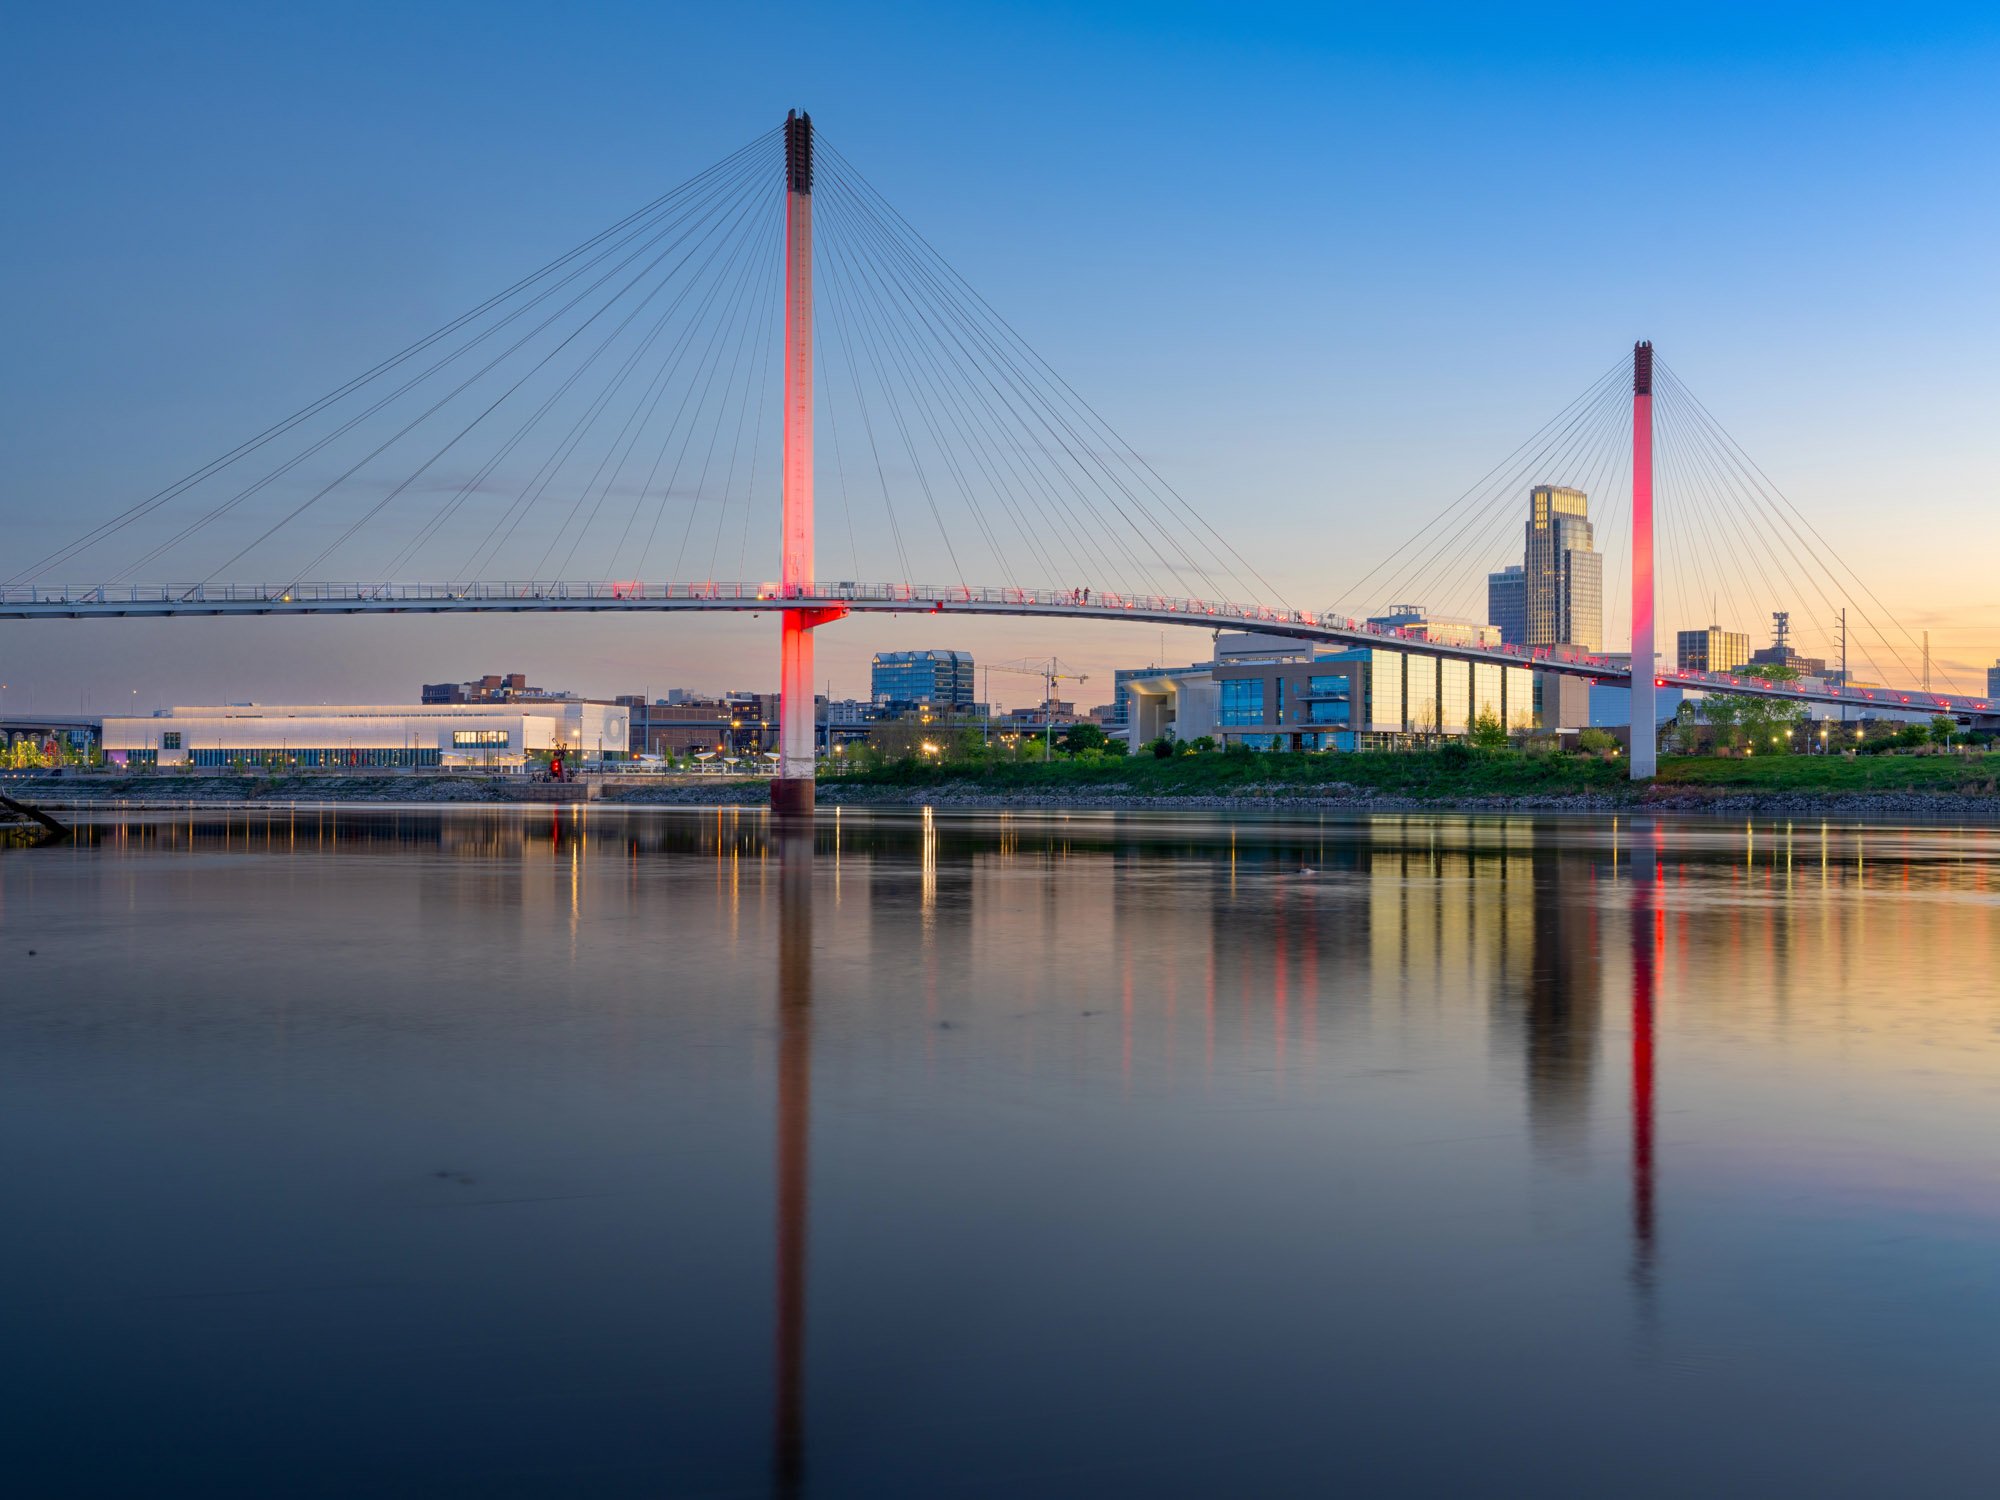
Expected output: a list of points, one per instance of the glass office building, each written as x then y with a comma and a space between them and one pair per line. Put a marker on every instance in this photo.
938, 679
1507, 603
1563, 575
1366, 699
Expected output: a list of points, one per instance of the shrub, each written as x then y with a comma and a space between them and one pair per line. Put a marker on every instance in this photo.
1083, 737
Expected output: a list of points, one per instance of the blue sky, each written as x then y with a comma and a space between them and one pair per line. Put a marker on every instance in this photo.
1322, 265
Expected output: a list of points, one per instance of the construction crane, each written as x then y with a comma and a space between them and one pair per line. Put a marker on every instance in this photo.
1051, 672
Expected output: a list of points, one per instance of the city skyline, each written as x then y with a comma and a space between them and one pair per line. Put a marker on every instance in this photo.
1264, 421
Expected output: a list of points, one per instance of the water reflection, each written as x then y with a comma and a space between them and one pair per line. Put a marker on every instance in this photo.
1648, 944
1562, 999
795, 999
1058, 1105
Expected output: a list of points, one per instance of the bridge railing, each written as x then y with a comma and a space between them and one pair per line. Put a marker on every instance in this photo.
1096, 603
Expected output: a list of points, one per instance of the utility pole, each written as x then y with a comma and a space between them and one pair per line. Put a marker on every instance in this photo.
1844, 683
1927, 661
1645, 728
1049, 713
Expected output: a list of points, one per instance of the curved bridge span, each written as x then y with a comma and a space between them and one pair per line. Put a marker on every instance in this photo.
823, 602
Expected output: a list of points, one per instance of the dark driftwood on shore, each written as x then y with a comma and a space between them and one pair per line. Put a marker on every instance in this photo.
23, 810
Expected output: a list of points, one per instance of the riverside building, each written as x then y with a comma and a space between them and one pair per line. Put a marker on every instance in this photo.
742, 723
498, 735
1272, 693
1150, 703
1711, 650
1366, 698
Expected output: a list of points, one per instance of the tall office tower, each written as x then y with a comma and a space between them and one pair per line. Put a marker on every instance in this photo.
1565, 575
1993, 680
1507, 604
1711, 650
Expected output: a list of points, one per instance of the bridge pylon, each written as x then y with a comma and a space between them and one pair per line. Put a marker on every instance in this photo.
792, 790
1645, 725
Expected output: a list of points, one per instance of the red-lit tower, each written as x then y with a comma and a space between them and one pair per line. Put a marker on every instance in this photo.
1645, 727
792, 791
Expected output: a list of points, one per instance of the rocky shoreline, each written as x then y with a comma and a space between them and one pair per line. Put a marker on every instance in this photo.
90, 793
1679, 801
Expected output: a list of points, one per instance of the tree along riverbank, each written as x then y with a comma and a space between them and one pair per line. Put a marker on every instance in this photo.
1948, 787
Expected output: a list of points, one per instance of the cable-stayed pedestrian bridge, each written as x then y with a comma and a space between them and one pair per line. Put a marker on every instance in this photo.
832, 600
671, 386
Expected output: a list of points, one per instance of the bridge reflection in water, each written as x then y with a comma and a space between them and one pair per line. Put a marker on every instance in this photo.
1081, 993
794, 1004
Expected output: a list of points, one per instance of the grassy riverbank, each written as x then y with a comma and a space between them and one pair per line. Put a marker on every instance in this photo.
1431, 775
1941, 786
1970, 775
1450, 775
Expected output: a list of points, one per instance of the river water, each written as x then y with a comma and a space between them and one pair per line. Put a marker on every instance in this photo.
475, 1152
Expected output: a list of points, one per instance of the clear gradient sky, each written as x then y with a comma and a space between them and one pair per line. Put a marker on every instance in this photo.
1323, 265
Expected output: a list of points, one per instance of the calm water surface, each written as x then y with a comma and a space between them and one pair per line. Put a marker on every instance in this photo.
594, 1153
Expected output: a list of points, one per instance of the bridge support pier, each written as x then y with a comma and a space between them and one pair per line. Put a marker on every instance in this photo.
792, 791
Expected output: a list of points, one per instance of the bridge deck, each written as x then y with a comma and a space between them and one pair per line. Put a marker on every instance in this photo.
895, 598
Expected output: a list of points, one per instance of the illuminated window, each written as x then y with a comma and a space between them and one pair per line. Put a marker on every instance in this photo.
1242, 701
481, 739
171, 740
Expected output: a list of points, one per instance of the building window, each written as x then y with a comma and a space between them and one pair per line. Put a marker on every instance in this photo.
1241, 701
481, 739
171, 740
244, 757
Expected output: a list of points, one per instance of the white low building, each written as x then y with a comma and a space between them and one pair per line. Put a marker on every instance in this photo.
1177, 703
369, 735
